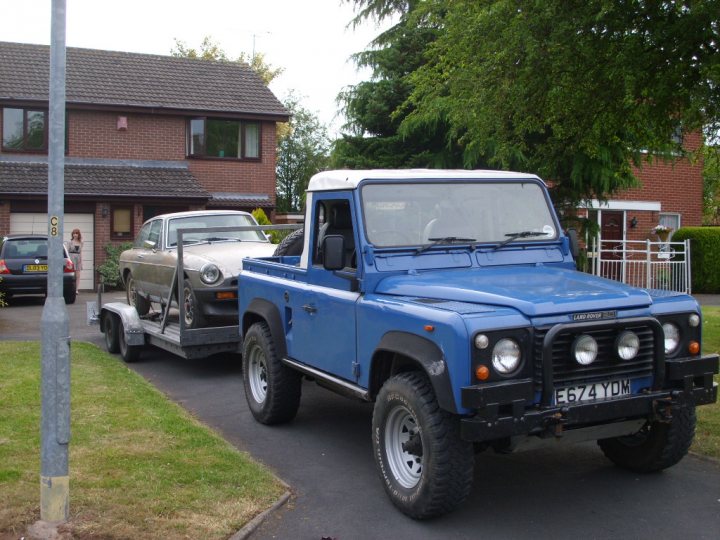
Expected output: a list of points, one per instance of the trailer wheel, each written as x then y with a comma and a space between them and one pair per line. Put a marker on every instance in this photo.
135, 299
129, 353
110, 325
272, 390
425, 466
656, 446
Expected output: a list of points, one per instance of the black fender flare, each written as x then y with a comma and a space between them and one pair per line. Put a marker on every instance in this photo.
429, 356
268, 311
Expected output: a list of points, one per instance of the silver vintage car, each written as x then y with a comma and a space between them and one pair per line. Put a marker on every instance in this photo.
211, 263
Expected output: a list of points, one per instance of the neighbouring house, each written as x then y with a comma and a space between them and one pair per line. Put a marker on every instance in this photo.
670, 194
145, 135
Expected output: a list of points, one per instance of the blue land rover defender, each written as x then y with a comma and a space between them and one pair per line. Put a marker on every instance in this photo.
451, 300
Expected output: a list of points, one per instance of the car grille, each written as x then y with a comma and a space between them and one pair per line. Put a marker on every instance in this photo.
566, 371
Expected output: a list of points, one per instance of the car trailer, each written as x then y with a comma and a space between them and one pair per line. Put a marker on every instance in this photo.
127, 333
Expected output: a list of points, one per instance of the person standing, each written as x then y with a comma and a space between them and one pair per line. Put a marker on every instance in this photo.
74, 247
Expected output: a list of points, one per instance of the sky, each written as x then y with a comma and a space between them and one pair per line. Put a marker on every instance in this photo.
310, 39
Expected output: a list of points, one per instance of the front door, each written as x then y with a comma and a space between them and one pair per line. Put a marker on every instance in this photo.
611, 236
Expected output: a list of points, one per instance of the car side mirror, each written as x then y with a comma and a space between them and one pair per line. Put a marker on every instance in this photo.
149, 244
574, 243
333, 248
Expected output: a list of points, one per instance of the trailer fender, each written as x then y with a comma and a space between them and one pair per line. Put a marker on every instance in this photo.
131, 324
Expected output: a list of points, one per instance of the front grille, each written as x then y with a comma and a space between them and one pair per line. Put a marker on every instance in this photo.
566, 371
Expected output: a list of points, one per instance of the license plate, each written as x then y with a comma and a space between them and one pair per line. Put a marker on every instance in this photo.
591, 392
35, 268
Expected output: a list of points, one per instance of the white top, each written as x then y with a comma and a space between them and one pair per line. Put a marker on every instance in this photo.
347, 179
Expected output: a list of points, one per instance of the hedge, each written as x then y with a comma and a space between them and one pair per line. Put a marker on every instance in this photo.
704, 257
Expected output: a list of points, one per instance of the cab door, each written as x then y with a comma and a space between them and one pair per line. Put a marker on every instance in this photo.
324, 312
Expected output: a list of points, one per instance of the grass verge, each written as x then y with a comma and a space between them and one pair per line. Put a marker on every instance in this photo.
707, 435
140, 466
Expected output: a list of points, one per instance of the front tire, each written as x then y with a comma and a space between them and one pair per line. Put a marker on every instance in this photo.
272, 390
134, 298
193, 314
656, 446
425, 466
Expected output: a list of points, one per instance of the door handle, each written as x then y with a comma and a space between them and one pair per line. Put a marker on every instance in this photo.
141, 256
309, 308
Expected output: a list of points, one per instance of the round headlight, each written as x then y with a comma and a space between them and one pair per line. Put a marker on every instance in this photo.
209, 274
694, 320
585, 350
672, 337
628, 345
506, 356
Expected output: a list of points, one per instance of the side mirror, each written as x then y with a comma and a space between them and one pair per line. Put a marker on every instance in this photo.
333, 248
574, 243
149, 244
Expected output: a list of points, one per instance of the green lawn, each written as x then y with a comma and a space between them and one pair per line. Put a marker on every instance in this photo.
140, 466
707, 437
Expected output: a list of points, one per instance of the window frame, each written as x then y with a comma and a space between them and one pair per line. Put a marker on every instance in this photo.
24, 149
242, 124
113, 233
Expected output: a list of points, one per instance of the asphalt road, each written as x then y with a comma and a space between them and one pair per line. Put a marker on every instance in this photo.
325, 456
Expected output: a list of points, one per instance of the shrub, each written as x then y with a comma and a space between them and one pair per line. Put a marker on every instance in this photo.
110, 270
262, 219
704, 256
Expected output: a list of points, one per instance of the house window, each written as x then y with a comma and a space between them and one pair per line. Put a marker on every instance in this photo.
121, 222
215, 137
670, 220
24, 130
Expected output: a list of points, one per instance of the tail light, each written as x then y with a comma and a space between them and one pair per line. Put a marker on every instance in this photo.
69, 267
3, 267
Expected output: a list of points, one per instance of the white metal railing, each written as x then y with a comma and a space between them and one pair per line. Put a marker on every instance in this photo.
649, 265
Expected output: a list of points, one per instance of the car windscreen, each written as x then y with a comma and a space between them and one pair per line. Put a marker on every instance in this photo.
480, 212
30, 248
216, 220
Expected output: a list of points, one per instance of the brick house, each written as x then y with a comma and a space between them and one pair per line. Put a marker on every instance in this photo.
671, 194
145, 135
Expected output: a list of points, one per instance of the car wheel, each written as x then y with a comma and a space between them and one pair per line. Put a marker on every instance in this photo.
110, 326
272, 389
129, 353
657, 446
193, 315
134, 298
70, 296
426, 468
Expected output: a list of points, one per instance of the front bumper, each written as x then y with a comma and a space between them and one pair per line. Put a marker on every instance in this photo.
507, 408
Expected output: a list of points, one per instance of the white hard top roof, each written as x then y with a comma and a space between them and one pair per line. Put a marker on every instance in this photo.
347, 179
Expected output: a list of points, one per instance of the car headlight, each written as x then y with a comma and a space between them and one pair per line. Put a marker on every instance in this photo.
694, 320
210, 273
506, 356
627, 345
672, 337
585, 350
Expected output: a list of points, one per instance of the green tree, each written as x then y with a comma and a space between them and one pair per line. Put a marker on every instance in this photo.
210, 50
372, 108
711, 185
303, 150
575, 90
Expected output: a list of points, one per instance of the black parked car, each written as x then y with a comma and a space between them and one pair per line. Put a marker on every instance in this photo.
24, 265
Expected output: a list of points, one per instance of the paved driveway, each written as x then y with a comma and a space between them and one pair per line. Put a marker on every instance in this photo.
325, 456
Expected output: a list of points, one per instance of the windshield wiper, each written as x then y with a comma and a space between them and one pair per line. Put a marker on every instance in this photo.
445, 240
222, 239
515, 236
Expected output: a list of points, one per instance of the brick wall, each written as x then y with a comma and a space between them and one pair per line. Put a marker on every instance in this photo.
153, 137
4, 217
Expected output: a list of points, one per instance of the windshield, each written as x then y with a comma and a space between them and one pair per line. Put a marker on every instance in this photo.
215, 220
456, 212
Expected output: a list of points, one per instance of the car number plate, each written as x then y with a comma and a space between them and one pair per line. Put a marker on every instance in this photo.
35, 268
593, 391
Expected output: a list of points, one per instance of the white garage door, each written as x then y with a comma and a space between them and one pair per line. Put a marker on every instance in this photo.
21, 223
